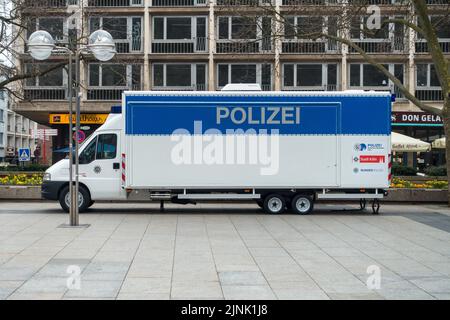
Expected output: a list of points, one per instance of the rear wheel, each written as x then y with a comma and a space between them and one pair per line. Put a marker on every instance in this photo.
274, 204
302, 204
84, 199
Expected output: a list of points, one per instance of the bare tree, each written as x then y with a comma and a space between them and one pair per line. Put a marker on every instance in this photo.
362, 17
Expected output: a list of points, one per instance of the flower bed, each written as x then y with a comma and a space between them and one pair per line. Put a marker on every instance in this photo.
34, 179
430, 184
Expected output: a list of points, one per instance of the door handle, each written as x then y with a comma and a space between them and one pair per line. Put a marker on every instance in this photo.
116, 165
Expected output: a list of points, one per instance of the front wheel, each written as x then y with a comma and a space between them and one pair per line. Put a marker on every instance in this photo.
84, 199
302, 204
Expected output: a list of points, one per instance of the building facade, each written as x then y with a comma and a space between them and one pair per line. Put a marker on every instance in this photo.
197, 45
16, 131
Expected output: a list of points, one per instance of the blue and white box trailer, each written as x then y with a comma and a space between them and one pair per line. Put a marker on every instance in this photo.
282, 149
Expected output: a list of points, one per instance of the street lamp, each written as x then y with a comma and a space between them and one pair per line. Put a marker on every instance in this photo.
101, 44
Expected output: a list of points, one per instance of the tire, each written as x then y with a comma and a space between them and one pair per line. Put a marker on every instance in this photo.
302, 204
65, 202
91, 203
274, 204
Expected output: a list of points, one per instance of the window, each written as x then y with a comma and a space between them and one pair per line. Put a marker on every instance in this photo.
176, 28
178, 75
54, 78
426, 75
106, 146
56, 26
302, 25
442, 26
241, 73
373, 77
360, 29
158, 28
88, 154
245, 73
308, 75
111, 75
102, 147
241, 27
288, 75
366, 75
185, 75
116, 26
114, 75
126, 31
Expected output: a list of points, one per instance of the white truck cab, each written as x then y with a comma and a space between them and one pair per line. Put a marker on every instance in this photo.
99, 168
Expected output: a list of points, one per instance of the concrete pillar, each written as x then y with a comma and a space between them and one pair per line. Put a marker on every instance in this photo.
277, 69
344, 52
211, 47
83, 65
411, 80
147, 46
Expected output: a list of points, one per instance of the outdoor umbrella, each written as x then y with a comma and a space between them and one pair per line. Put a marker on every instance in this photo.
439, 143
402, 143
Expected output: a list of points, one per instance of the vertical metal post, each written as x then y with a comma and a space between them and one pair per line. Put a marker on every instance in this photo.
77, 129
71, 194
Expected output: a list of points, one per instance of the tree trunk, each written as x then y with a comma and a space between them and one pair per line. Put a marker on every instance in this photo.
446, 120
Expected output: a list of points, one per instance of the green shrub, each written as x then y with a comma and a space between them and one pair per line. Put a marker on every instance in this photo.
30, 167
400, 170
436, 171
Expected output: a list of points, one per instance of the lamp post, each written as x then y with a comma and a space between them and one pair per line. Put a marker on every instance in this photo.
101, 44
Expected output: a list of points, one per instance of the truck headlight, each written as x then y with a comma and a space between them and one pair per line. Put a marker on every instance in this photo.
47, 177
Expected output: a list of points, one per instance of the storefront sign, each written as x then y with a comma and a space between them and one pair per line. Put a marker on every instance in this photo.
85, 118
400, 118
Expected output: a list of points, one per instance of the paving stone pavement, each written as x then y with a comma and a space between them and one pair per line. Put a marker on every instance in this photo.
224, 251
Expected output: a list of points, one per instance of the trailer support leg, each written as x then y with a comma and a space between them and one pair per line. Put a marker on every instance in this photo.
161, 206
375, 206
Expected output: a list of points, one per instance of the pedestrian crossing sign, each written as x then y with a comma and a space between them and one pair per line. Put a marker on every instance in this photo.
24, 154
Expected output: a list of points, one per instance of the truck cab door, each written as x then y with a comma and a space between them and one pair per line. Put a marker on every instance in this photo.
99, 166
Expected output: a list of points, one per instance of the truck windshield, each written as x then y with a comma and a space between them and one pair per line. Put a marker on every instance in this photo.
88, 154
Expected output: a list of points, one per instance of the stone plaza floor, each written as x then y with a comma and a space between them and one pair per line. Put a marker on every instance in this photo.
224, 251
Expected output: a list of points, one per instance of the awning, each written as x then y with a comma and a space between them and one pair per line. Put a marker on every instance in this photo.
402, 143
439, 143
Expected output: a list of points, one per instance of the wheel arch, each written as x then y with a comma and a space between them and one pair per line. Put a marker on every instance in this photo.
80, 184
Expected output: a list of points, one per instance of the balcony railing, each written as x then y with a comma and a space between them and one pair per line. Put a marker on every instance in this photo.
178, 3
233, 46
309, 47
197, 87
429, 94
197, 45
396, 45
309, 2
115, 3
422, 46
328, 87
437, 2
110, 94
243, 2
49, 3
128, 46
45, 94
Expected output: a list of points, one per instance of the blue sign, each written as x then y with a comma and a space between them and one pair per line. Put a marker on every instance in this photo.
24, 154
286, 115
